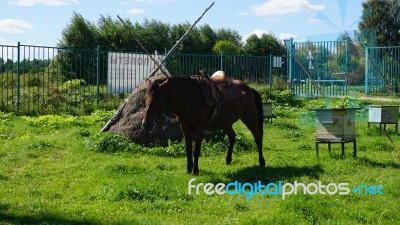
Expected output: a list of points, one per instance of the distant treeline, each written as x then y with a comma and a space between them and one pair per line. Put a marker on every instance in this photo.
159, 36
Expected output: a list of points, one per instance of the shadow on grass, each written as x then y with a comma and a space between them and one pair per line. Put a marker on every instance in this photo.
274, 174
372, 163
14, 218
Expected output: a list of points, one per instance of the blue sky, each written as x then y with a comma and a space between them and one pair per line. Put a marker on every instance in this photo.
40, 22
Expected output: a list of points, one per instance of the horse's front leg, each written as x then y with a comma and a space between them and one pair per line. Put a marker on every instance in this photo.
189, 148
199, 135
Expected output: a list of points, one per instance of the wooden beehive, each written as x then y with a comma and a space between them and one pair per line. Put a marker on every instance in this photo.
335, 124
383, 114
267, 110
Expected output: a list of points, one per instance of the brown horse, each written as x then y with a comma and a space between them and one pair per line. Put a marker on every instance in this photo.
183, 97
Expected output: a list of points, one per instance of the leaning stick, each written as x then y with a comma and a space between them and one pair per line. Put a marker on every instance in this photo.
141, 45
180, 40
117, 114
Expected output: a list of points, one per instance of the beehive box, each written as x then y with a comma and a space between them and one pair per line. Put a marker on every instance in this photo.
335, 124
383, 114
267, 110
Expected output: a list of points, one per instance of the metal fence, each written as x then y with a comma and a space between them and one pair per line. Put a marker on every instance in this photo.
318, 68
382, 70
42, 80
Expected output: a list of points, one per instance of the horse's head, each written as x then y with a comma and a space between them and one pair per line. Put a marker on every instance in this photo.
156, 103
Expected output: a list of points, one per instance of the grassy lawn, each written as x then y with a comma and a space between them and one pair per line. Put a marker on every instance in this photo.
61, 170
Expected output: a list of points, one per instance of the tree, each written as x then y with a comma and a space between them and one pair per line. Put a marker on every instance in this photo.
226, 47
111, 34
354, 56
265, 45
80, 33
381, 20
208, 38
2, 66
229, 35
156, 36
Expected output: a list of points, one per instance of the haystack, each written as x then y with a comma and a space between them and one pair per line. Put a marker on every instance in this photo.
129, 122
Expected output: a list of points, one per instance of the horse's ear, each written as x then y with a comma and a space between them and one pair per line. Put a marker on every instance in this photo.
148, 82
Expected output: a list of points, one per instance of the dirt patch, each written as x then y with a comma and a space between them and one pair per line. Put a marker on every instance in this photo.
130, 121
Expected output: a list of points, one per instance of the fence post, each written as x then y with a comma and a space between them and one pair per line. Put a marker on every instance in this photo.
346, 84
290, 52
366, 70
270, 73
18, 75
222, 62
98, 67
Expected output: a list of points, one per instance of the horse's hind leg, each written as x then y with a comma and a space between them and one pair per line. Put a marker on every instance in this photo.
251, 122
231, 136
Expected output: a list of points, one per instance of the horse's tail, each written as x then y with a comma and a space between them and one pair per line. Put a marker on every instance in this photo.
260, 113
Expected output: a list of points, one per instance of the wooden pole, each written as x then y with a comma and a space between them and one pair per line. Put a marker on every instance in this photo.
141, 45
180, 40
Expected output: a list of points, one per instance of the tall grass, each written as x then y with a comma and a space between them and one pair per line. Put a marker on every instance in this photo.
59, 169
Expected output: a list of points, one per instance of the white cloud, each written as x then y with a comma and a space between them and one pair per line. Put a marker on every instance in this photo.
257, 32
136, 11
285, 36
14, 26
279, 7
42, 2
281, 36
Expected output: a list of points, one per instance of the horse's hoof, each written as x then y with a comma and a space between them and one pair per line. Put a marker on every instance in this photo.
228, 161
262, 163
195, 172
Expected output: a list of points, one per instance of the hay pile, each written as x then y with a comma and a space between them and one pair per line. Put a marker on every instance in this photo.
130, 121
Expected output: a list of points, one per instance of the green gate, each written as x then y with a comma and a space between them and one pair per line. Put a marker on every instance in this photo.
318, 68
260, 72
382, 70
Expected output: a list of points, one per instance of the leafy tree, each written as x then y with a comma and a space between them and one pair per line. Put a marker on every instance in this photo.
208, 38
382, 18
9, 64
80, 33
226, 47
265, 45
155, 36
229, 35
2, 66
110, 33
355, 58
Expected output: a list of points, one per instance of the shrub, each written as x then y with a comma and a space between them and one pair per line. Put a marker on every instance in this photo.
34, 82
74, 84
111, 143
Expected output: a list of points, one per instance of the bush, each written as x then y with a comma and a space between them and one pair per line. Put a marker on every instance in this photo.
34, 82
74, 84
285, 97
111, 143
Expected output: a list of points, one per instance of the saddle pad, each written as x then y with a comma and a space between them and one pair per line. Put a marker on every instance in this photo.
226, 92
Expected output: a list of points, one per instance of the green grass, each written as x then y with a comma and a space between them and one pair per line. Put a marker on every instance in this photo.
60, 170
